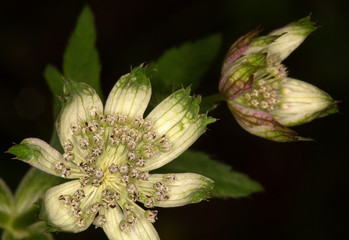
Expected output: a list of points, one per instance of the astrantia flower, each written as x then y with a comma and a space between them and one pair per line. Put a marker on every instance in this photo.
263, 99
109, 153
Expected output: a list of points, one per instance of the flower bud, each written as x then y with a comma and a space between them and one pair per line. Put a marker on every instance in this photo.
259, 94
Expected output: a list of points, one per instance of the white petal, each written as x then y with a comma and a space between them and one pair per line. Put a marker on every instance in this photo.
185, 189
181, 137
142, 229
130, 95
170, 111
77, 110
41, 155
61, 216
301, 102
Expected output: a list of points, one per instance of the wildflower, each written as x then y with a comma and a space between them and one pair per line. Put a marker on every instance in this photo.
259, 93
109, 153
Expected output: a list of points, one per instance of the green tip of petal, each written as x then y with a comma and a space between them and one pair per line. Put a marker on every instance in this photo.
307, 25
21, 151
209, 120
203, 192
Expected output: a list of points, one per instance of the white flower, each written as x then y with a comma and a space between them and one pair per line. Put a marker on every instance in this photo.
109, 153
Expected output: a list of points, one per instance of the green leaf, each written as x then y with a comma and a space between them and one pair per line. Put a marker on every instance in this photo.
33, 185
6, 203
228, 183
33, 235
80, 59
55, 82
182, 66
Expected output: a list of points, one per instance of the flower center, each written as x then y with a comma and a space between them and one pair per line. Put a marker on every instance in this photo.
112, 150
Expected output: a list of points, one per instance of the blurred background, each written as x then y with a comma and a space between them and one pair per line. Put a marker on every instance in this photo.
306, 184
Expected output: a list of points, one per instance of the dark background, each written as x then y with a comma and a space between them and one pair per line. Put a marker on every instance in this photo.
306, 184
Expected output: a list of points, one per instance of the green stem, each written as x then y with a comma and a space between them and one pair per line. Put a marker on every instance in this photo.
214, 98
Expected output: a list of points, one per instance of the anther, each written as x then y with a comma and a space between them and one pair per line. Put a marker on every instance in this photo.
77, 212
67, 146
149, 203
131, 155
113, 168
122, 118
170, 177
99, 221
128, 208
96, 182
144, 176
111, 119
93, 126
138, 122
148, 125
99, 173
84, 143
160, 186
68, 156
96, 138
97, 151
149, 136
140, 162
76, 128
94, 112
75, 203
131, 188
131, 144
59, 166
124, 226
66, 172
151, 215
81, 223
131, 218
123, 169
94, 208
83, 181
134, 173
125, 179
79, 194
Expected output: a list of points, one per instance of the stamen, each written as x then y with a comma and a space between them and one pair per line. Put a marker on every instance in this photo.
59, 166
77, 213
134, 173
84, 143
140, 162
94, 112
148, 125
144, 176
68, 156
96, 138
170, 177
151, 215
123, 169
81, 223
113, 168
124, 226
131, 155
111, 119
99, 173
67, 146
99, 221
131, 218
66, 172
79, 194
83, 181
76, 128
131, 188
